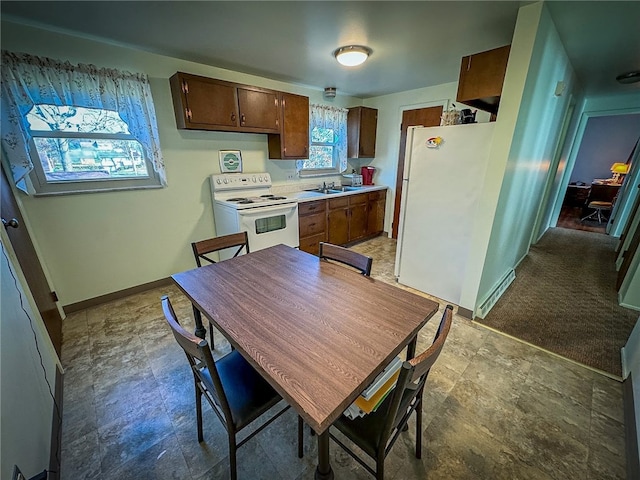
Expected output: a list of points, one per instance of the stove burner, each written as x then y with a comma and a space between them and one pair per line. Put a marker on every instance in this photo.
278, 198
266, 196
245, 200
238, 199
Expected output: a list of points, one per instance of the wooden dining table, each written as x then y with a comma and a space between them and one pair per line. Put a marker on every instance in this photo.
317, 331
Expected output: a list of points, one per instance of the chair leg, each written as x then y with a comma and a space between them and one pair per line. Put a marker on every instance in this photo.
380, 465
419, 429
211, 338
300, 437
199, 413
232, 457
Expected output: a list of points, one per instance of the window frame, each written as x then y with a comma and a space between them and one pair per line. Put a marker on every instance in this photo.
44, 187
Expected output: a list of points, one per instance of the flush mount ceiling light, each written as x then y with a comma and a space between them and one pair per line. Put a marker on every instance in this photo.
352, 55
629, 77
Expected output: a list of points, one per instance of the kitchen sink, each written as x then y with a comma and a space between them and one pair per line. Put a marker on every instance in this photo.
327, 191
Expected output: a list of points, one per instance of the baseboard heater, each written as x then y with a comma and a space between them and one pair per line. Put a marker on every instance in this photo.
496, 293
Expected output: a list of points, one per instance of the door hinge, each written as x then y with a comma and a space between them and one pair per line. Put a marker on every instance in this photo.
54, 296
187, 111
185, 87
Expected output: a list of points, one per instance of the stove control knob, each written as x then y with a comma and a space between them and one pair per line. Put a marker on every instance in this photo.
253, 179
226, 181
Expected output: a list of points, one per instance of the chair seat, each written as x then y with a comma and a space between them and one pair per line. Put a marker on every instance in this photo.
600, 205
249, 395
366, 431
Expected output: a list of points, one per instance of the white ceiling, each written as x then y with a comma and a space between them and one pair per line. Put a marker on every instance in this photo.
415, 44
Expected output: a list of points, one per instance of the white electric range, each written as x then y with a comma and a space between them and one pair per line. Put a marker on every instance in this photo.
244, 202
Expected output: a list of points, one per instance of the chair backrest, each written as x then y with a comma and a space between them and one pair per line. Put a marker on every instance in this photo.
201, 361
414, 372
423, 362
203, 247
346, 256
602, 193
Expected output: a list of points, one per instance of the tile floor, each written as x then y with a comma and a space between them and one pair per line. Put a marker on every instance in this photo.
494, 408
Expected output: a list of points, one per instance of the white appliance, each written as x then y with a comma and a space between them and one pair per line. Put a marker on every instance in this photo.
443, 178
244, 202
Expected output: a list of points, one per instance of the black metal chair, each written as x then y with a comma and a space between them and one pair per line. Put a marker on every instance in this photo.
205, 247
376, 433
348, 257
236, 392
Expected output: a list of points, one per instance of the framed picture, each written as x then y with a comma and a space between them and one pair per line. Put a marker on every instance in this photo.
230, 161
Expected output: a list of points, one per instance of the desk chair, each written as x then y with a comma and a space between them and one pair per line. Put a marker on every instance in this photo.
601, 199
348, 257
236, 392
205, 247
376, 433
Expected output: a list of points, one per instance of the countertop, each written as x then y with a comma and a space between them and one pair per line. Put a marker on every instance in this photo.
305, 196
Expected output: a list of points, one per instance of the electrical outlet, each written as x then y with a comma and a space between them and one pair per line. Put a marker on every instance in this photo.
292, 175
17, 474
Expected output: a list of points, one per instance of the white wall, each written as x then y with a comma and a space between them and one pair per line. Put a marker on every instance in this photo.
26, 407
95, 244
537, 122
631, 366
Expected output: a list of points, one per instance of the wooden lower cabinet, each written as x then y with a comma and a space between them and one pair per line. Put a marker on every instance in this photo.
376, 202
341, 220
312, 225
338, 220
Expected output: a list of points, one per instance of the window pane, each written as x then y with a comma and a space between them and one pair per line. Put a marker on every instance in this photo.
79, 159
53, 118
322, 135
320, 156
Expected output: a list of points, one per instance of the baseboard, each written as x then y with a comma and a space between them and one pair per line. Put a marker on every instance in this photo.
109, 297
630, 430
56, 429
465, 312
496, 292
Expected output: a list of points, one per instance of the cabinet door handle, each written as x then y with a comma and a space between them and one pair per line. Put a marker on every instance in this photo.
242, 119
233, 117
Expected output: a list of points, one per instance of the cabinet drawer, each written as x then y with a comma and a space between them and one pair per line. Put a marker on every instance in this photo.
307, 208
377, 195
340, 202
357, 199
312, 224
312, 244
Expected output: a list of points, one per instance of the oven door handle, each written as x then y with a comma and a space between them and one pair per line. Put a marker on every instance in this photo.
261, 210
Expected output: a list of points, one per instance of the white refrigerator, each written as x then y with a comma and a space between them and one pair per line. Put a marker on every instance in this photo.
444, 173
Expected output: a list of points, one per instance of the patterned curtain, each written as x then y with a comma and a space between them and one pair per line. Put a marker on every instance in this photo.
325, 116
27, 80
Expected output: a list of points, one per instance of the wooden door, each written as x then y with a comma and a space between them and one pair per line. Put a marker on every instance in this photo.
338, 225
210, 103
375, 214
427, 117
357, 216
258, 109
295, 126
27, 258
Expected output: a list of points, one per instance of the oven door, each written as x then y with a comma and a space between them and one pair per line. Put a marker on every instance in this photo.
269, 226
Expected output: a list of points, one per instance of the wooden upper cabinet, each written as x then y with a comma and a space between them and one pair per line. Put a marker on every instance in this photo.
202, 103
293, 141
481, 79
362, 123
258, 109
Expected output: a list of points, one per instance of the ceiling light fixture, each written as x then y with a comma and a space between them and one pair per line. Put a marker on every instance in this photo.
629, 77
352, 55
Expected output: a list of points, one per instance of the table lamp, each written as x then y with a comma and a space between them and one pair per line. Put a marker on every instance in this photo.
619, 170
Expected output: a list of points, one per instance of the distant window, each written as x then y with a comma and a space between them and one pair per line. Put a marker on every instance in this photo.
327, 141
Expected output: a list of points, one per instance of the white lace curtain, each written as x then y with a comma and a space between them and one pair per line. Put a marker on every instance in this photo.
325, 116
28, 80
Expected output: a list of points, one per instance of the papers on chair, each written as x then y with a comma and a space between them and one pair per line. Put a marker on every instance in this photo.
375, 393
